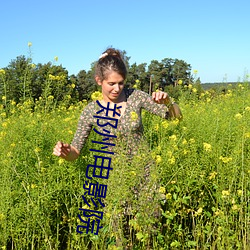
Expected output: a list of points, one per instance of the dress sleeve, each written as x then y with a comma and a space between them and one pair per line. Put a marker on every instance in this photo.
151, 106
84, 127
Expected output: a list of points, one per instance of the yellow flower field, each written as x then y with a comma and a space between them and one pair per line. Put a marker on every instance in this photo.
201, 166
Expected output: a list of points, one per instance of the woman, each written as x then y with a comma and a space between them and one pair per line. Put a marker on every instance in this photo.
110, 74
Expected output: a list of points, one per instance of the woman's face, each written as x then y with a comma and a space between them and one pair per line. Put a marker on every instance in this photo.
112, 86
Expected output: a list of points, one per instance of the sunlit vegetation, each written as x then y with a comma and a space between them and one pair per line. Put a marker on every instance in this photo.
201, 166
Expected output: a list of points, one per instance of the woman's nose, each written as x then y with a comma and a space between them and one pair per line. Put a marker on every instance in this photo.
116, 87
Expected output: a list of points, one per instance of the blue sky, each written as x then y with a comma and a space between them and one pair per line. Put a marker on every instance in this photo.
212, 36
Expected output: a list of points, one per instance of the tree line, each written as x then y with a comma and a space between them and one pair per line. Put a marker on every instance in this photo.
23, 79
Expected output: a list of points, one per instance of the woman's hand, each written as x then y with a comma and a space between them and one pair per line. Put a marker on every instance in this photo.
65, 151
161, 97
61, 149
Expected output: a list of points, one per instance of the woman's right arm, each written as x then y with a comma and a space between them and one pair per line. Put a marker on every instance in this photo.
66, 151
70, 152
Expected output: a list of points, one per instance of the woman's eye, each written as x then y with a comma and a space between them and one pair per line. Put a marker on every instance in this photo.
112, 83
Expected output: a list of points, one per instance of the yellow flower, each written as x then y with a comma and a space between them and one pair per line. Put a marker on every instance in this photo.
195, 71
108, 215
162, 190
13, 103
137, 81
212, 175
133, 116
56, 58
190, 86
207, 147
173, 137
9, 154
51, 77
37, 149
225, 193
61, 161
133, 172
29, 44
184, 141
164, 124
198, 212
33, 186
239, 192
168, 196
225, 159
156, 127
194, 90
218, 212
191, 140
4, 124
169, 153
158, 159
247, 135
171, 160
97, 95
50, 97
235, 207
247, 108
85, 206
180, 82
3, 97
73, 85
135, 86
175, 122
238, 116
2, 72
2, 217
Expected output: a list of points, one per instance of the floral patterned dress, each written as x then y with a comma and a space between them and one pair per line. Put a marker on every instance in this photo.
129, 132
129, 128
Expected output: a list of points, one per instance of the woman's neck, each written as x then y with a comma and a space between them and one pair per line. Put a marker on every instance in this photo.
120, 99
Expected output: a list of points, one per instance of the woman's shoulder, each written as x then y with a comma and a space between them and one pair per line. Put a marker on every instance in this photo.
135, 93
89, 109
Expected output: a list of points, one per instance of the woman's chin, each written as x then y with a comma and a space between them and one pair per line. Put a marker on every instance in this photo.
114, 96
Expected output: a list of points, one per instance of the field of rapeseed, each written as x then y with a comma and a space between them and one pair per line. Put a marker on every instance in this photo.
202, 165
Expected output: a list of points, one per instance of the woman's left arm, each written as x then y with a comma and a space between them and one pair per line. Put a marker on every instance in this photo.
163, 98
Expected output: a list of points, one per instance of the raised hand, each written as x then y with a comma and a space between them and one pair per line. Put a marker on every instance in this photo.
161, 97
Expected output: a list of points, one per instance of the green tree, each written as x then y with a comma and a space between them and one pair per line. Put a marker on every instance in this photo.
86, 84
18, 79
52, 80
181, 71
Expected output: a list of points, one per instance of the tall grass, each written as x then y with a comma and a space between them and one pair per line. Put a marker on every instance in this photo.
201, 168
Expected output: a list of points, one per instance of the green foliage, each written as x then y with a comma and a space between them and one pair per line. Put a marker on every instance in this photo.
26, 80
197, 196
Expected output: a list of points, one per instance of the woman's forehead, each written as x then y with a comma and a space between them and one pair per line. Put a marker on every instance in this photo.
113, 76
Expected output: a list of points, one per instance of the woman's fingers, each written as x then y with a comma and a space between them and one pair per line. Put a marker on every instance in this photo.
61, 149
160, 97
